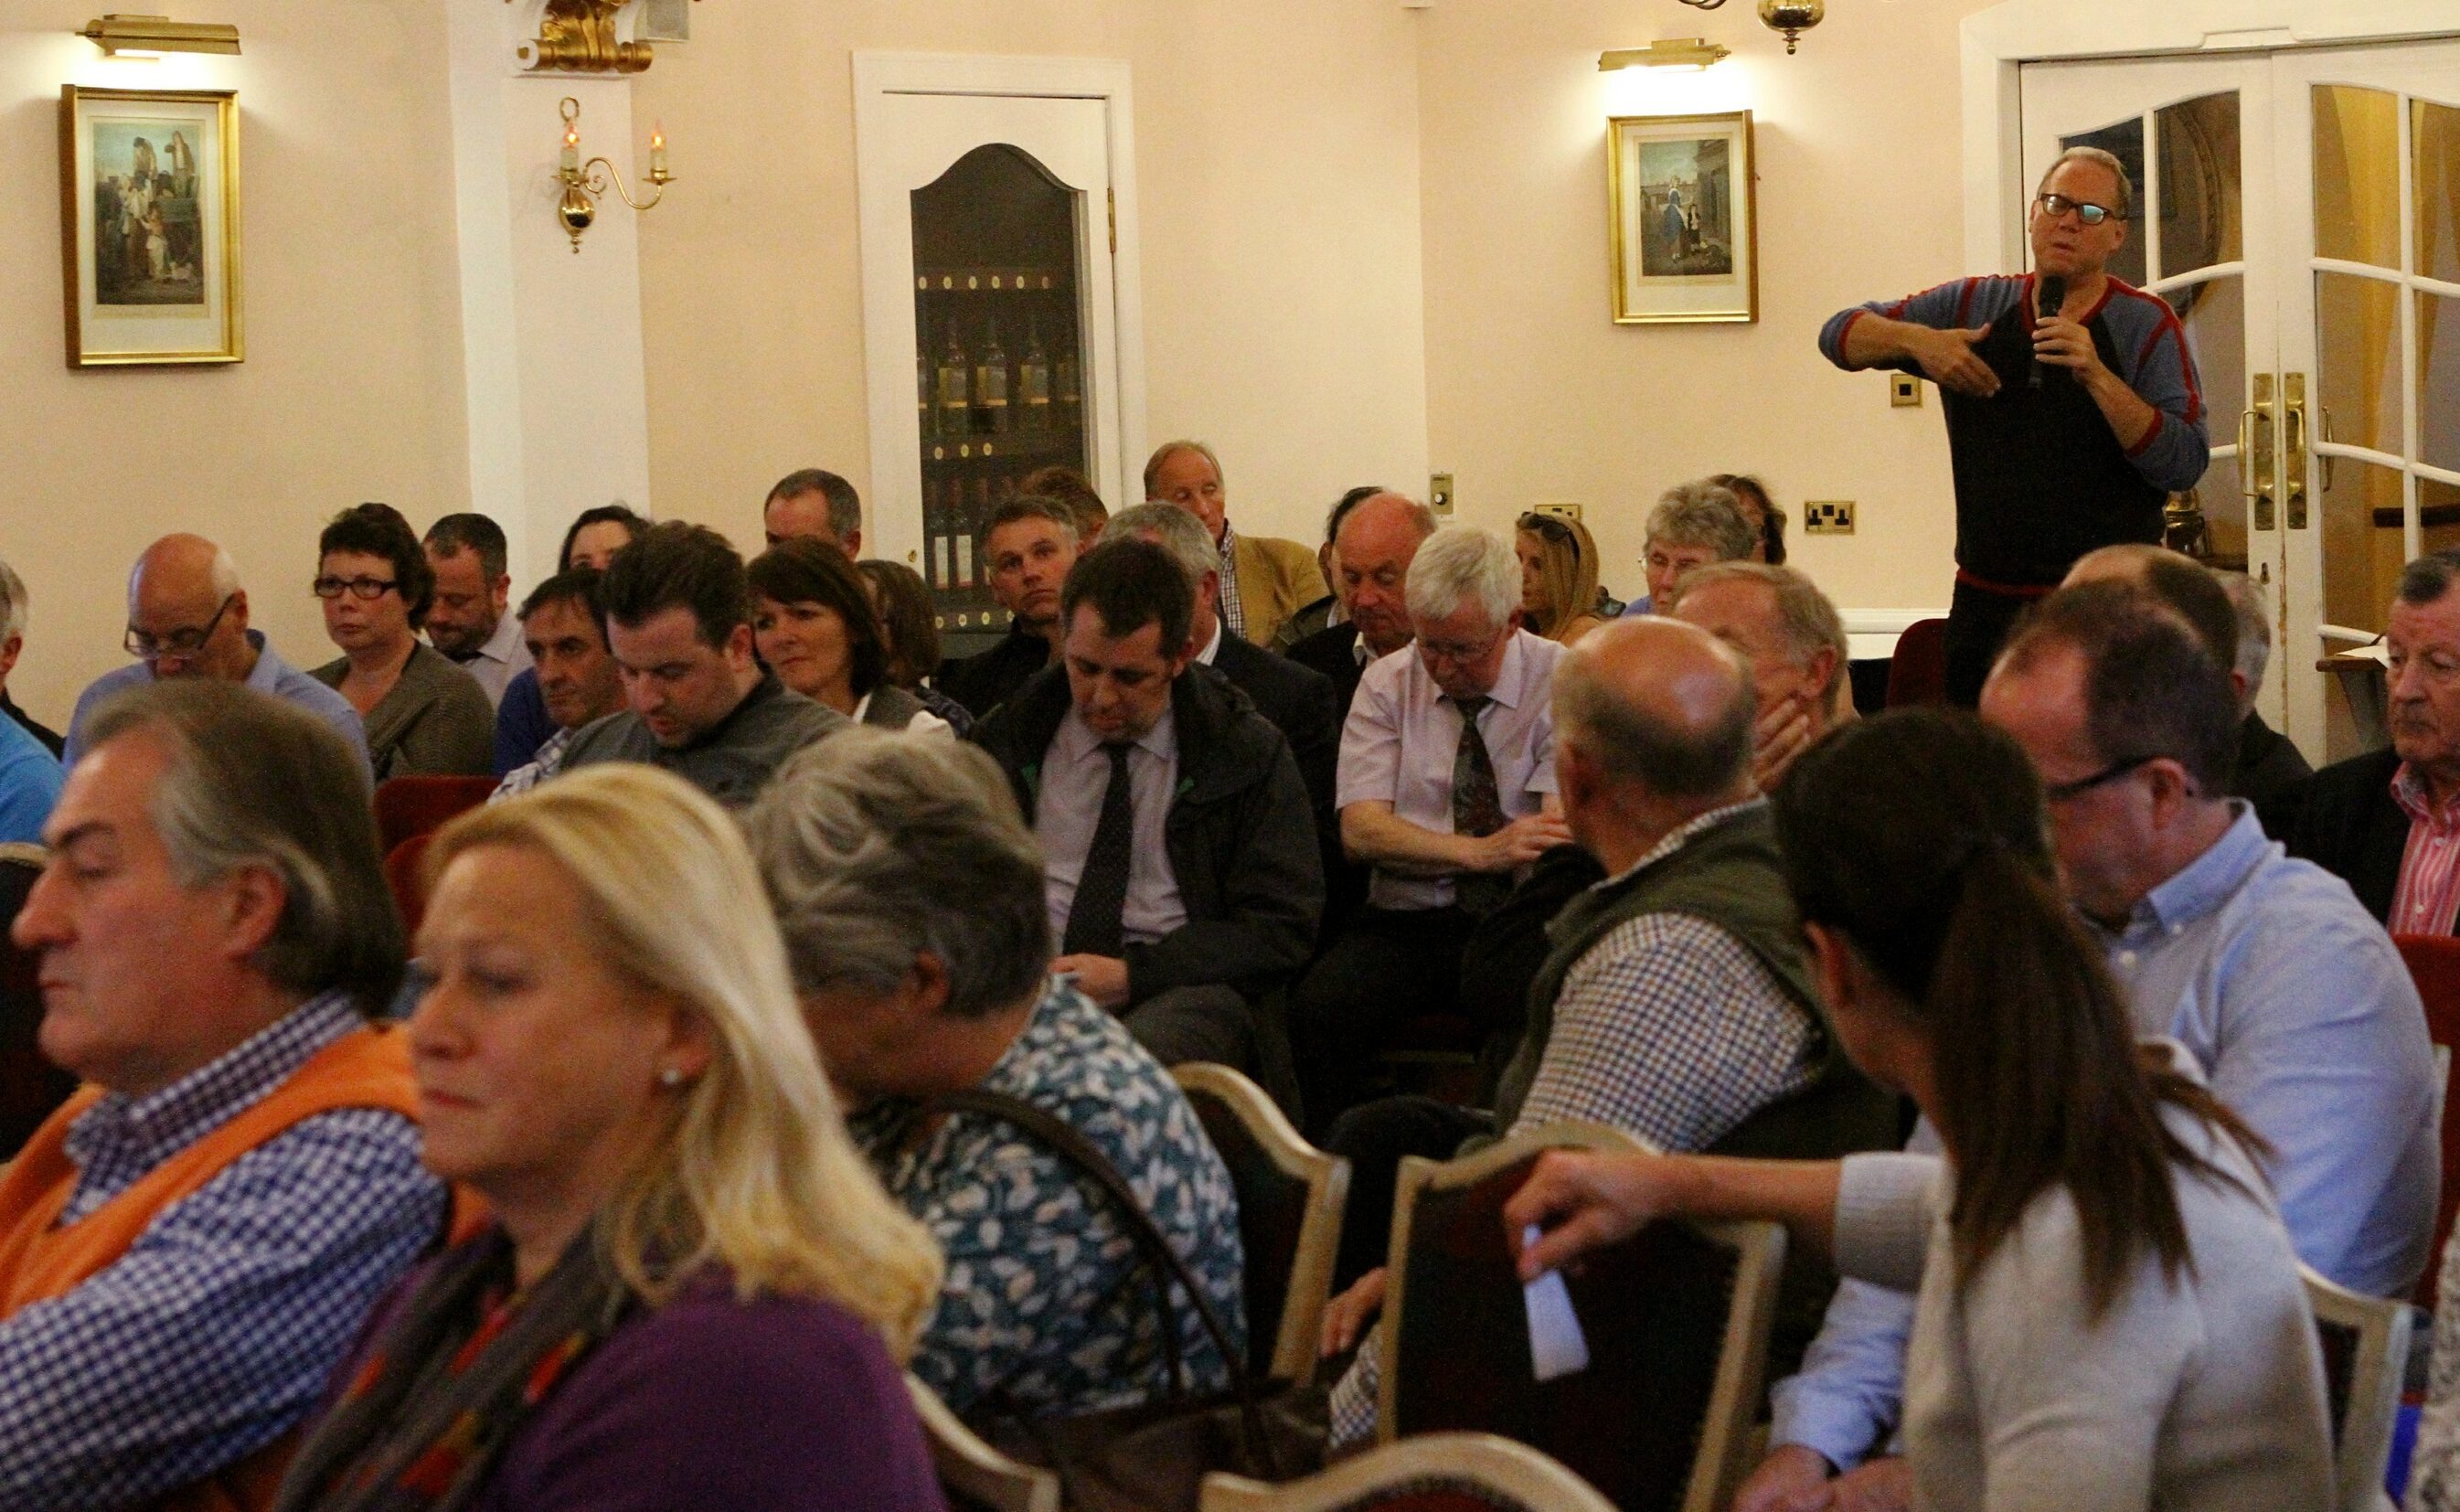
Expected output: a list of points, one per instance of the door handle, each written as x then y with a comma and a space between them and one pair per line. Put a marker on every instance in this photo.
2255, 453
2293, 446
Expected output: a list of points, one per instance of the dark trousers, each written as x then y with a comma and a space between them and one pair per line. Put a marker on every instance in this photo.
1195, 1023
1978, 622
1374, 1137
1388, 966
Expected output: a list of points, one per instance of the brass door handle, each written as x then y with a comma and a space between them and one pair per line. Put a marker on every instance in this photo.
2293, 446
2255, 453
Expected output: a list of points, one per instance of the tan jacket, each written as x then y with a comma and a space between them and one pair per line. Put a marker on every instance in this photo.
1276, 580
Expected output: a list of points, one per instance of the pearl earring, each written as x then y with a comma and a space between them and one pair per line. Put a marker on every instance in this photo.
672, 1076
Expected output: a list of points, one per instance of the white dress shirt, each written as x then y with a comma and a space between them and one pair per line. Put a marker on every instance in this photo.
1075, 775
505, 657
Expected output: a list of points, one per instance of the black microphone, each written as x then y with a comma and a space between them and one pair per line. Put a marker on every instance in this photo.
2053, 293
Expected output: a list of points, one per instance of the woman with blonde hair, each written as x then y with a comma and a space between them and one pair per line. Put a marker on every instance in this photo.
1558, 577
695, 1293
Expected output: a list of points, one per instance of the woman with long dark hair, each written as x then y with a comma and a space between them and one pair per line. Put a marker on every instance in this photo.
2109, 1314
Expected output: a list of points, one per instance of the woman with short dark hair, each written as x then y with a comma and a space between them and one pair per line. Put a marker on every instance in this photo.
423, 713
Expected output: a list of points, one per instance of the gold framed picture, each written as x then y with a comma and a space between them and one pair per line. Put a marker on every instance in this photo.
149, 226
1685, 207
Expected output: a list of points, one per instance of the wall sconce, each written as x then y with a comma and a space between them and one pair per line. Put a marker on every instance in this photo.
1793, 17
150, 37
584, 183
578, 36
1684, 53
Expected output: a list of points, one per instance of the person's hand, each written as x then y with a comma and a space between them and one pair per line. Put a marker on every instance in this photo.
1878, 1485
1521, 841
1103, 978
1948, 359
2062, 343
1791, 1479
1583, 1201
1345, 1316
1781, 733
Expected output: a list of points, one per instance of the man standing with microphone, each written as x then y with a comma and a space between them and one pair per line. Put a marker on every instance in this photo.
2073, 409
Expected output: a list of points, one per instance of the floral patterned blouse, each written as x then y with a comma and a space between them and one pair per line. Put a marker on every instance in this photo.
1045, 1305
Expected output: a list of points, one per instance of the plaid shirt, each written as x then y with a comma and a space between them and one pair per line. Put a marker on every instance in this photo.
547, 763
1233, 613
2427, 897
215, 1333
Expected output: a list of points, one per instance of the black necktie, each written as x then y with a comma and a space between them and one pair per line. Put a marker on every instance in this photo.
1094, 924
1478, 809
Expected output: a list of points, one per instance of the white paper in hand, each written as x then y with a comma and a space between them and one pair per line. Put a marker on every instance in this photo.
1556, 1347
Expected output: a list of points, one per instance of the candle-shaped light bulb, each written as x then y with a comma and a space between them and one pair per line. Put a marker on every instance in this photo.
657, 152
571, 147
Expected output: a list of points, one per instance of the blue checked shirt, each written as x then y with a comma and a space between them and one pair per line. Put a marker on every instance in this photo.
214, 1334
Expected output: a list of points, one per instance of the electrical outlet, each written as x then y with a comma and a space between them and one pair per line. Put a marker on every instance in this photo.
1904, 390
1440, 493
1560, 511
1828, 516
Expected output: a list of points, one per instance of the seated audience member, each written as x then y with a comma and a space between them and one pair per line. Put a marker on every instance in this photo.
30, 784
522, 723
1069, 487
2388, 822
1180, 856
909, 629
2269, 763
468, 622
914, 987
1676, 1004
189, 1244
1375, 543
1447, 788
187, 617
1332, 608
2109, 1314
2180, 581
816, 504
1297, 700
1027, 547
812, 623
692, 1293
1790, 636
1760, 512
698, 704
1558, 577
563, 624
1265, 580
14, 606
1692, 526
423, 714
2291, 1000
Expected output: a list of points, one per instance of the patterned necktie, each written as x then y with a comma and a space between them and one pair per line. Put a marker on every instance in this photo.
1094, 917
1478, 809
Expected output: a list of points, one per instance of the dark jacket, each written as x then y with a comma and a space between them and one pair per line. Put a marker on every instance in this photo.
730, 761
1330, 651
2268, 764
2344, 820
985, 680
1241, 836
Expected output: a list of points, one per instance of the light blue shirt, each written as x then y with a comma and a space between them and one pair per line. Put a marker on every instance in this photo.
30, 784
2297, 1005
273, 675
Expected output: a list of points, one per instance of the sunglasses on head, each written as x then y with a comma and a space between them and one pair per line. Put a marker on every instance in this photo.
1553, 530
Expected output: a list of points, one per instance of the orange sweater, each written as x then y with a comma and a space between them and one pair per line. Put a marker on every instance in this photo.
40, 1258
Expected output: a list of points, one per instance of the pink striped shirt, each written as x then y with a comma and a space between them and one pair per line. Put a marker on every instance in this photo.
2428, 895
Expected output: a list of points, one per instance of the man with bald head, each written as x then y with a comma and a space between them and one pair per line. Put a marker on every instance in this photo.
187, 617
1373, 548
1676, 1004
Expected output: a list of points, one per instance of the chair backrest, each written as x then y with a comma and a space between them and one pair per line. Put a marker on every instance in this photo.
1430, 1473
401, 869
976, 1477
1676, 1322
1290, 1201
419, 806
30, 1086
1917, 669
2366, 1349
2434, 966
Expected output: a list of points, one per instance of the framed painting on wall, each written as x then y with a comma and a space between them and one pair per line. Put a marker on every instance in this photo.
149, 226
1684, 213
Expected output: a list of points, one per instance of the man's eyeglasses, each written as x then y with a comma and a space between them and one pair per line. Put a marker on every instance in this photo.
2057, 206
359, 587
1553, 530
2061, 792
1458, 651
182, 643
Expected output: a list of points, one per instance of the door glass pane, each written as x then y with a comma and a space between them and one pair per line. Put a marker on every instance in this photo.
2124, 141
2213, 312
2199, 209
2438, 516
2435, 131
2357, 173
2362, 545
2438, 381
2357, 359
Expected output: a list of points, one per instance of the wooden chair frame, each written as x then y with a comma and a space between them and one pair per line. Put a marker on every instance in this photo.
27, 851
1499, 1466
973, 1469
2382, 1324
1327, 1178
1733, 1400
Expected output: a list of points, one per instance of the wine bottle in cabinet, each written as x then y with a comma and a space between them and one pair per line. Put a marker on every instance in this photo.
955, 414
1071, 395
968, 576
990, 385
1033, 382
935, 535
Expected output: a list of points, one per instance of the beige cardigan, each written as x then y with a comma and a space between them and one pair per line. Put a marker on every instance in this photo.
1276, 580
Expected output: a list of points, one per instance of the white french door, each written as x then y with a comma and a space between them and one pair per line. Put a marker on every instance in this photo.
2297, 208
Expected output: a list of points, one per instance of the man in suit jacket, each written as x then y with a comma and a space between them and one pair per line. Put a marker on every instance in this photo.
1265, 580
2387, 823
1372, 549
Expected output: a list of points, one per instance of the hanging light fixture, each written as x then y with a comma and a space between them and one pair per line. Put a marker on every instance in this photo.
1792, 17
